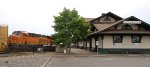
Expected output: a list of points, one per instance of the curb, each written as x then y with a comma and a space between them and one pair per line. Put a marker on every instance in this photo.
46, 62
80, 55
104, 55
98, 55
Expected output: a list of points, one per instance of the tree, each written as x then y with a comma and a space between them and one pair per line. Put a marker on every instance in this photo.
70, 28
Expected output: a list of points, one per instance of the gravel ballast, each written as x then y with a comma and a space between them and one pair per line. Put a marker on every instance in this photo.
32, 60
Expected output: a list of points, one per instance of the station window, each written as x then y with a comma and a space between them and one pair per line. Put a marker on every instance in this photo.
136, 39
117, 39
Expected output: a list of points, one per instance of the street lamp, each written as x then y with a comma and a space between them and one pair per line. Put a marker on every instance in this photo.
97, 43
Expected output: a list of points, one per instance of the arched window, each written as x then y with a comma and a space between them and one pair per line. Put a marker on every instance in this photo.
126, 27
106, 19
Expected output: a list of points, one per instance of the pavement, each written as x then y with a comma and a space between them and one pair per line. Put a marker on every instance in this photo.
83, 58
78, 58
99, 61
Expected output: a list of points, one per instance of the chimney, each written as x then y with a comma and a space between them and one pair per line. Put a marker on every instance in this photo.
103, 14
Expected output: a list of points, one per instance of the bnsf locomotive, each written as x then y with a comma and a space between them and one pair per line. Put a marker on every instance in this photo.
24, 41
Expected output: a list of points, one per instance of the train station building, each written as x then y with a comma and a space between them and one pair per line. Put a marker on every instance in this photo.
114, 34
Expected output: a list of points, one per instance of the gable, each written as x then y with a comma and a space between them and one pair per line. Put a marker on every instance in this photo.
110, 16
107, 19
132, 22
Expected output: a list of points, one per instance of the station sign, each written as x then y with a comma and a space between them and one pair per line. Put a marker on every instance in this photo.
132, 22
97, 42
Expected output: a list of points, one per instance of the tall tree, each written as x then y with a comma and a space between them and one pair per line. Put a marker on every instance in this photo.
70, 28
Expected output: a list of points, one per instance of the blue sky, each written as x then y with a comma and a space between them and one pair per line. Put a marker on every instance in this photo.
36, 16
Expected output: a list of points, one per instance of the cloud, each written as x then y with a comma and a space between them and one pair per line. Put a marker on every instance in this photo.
37, 15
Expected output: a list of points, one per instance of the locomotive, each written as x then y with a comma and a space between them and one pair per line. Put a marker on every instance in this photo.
25, 41
25, 38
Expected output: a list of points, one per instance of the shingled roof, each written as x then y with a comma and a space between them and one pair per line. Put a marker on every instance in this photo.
103, 27
100, 27
88, 19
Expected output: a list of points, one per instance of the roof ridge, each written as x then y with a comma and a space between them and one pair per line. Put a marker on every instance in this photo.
106, 14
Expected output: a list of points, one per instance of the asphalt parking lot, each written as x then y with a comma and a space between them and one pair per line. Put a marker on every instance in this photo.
83, 58
100, 61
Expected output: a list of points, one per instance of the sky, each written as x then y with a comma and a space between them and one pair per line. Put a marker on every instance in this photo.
36, 16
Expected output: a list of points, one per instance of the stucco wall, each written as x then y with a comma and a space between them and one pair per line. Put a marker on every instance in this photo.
126, 43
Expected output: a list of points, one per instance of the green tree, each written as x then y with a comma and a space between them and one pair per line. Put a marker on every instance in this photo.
70, 28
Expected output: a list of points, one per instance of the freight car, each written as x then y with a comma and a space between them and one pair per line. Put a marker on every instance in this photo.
24, 41
3, 37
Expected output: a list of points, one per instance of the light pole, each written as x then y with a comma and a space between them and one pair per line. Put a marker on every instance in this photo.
97, 43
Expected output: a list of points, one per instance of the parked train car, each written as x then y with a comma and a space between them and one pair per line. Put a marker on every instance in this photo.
24, 41
3, 37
